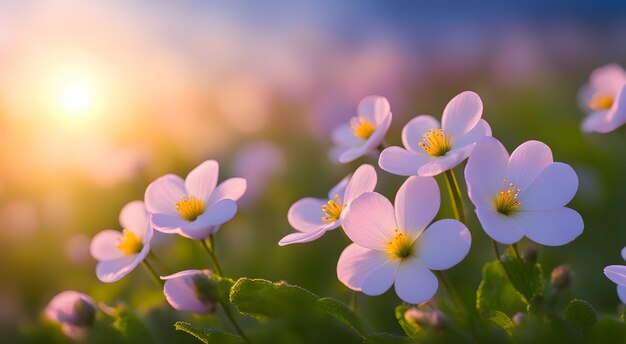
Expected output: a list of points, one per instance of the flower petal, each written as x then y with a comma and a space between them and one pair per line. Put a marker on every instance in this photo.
343, 136
608, 79
181, 294
554, 188
370, 145
616, 116
527, 162
485, 170
232, 188
443, 163
616, 273
621, 292
554, 227
113, 270
135, 217
501, 228
370, 221
462, 113
374, 108
302, 237
481, 130
402, 162
61, 307
351, 154
416, 205
206, 224
415, 283
444, 244
163, 194
103, 246
340, 188
416, 128
623, 253
363, 180
201, 181
167, 223
357, 263
595, 121
306, 214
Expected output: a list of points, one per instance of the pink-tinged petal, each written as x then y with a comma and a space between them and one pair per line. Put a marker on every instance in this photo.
501, 228
363, 180
180, 293
554, 188
370, 145
167, 223
616, 116
343, 136
163, 194
201, 181
616, 273
353, 153
232, 188
300, 237
462, 113
357, 263
527, 162
481, 130
381, 279
441, 164
416, 205
61, 307
370, 222
147, 236
444, 244
608, 79
485, 171
103, 246
413, 131
339, 189
374, 108
135, 218
402, 162
220, 212
621, 292
554, 227
623, 253
595, 122
415, 283
113, 270
306, 214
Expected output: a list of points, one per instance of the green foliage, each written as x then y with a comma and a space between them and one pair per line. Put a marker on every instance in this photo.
412, 330
580, 315
130, 326
495, 292
526, 277
342, 313
607, 331
209, 336
501, 320
386, 338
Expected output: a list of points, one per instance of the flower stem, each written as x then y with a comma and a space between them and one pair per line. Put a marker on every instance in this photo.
495, 248
355, 297
455, 195
153, 273
230, 317
450, 291
516, 251
159, 262
210, 248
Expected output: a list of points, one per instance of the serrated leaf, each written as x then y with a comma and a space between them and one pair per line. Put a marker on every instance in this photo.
495, 292
580, 314
342, 313
130, 326
224, 284
525, 277
411, 330
386, 338
502, 320
209, 336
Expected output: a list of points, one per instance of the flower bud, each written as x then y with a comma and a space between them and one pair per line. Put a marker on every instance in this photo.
416, 316
519, 318
561, 277
437, 319
193, 291
75, 312
531, 254
84, 313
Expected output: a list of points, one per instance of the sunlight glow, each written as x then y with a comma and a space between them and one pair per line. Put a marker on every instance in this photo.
76, 98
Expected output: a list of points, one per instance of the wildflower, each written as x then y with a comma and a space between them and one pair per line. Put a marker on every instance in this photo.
617, 274
393, 246
561, 277
118, 253
193, 207
312, 217
430, 149
524, 194
74, 310
603, 98
191, 291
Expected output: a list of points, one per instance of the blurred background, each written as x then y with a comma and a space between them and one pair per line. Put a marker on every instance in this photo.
97, 99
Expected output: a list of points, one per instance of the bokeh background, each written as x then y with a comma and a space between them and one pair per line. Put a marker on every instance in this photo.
97, 99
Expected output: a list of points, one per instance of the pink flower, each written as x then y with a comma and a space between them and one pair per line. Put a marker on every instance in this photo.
604, 99
429, 148
392, 244
617, 274
118, 253
365, 132
312, 217
191, 291
194, 207
524, 194
75, 312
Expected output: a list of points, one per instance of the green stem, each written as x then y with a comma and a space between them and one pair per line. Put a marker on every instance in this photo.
230, 317
450, 291
355, 296
210, 248
516, 251
455, 195
153, 273
495, 248
159, 262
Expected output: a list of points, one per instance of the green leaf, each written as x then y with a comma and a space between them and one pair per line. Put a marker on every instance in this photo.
580, 314
526, 277
495, 292
412, 330
607, 330
502, 320
209, 336
342, 313
386, 338
130, 326
224, 284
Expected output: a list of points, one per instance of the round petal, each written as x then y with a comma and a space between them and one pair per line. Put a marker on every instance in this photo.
370, 145
163, 194
402, 162
113, 270
462, 113
443, 163
167, 223
501, 228
416, 205
616, 116
554, 227
370, 222
363, 180
351, 154
621, 292
374, 108
232, 188
103, 246
356, 264
61, 307
381, 279
444, 244
596, 121
527, 162
616, 273
180, 293
608, 79
343, 136
302, 237
201, 181
415, 283
414, 130
340, 188
135, 218
481, 130
206, 224
306, 214
485, 170
554, 188
623, 253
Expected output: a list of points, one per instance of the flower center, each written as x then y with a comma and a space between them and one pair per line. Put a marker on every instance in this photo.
436, 142
130, 243
190, 208
507, 201
400, 247
362, 128
600, 102
332, 210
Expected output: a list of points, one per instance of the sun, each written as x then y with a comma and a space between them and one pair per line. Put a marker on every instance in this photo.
76, 98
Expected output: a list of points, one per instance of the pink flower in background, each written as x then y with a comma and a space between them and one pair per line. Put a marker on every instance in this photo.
365, 132
312, 217
392, 244
118, 253
617, 274
196, 206
429, 148
604, 99
75, 312
524, 194
191, 291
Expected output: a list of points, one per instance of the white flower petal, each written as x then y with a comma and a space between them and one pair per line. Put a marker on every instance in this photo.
481, 130
444, 244
306, 214
381, 279
339, 189
554, 227
163, 194
608, 79
402, 162
135, 217
374, 108
554, 188
113, 270
462, 113
616, 273
416, 205
370, 222
621, 292
415, 283
103, 246
343, 136
595, 121
302, 237
485, 171
443, 163
623, 253
363, 180
501, 228
416, 128
217, 214
527, 162
232, 188
616, 117
353, 153
201, 181
357, 263
179, 290
167, 223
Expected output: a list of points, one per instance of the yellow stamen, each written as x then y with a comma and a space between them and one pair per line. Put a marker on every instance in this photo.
400, 247
332, 210
190, 208
362, 128
436, 142
130, 243
507, 201
600, 102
